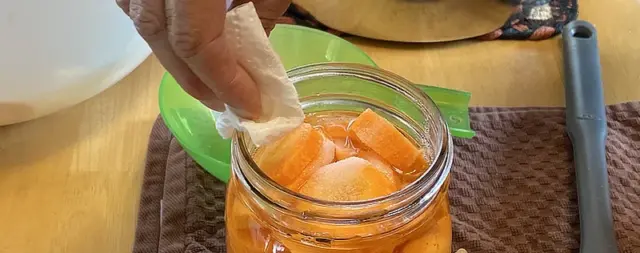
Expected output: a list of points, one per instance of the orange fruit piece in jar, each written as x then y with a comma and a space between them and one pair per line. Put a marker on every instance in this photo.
380, 136
337, 131
335, 127
380, 164
244, 227
286, 159
436, 240
350, 179
344, 150
325, 156
339, 134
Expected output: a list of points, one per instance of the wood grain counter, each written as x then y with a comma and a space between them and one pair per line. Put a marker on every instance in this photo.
70, 182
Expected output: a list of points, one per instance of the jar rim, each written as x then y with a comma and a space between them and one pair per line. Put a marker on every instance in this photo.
442, 151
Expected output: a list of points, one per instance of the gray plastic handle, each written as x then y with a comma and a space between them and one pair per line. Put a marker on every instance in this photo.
587, 129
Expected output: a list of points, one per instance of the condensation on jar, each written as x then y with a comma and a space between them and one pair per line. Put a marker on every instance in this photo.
264, 216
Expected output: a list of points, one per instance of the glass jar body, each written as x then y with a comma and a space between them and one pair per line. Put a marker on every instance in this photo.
252, 231
263, 217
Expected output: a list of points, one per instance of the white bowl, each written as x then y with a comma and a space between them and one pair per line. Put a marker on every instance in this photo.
55, 54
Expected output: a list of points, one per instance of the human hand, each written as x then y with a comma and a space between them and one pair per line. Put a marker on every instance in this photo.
187, 38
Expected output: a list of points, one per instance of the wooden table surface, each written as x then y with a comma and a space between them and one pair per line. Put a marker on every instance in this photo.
70, 182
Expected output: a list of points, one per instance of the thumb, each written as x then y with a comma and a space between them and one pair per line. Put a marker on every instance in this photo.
196, 33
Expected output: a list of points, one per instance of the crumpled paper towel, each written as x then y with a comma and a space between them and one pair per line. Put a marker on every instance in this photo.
281, 109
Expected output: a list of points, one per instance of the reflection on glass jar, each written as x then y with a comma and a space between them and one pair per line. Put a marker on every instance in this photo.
265, 214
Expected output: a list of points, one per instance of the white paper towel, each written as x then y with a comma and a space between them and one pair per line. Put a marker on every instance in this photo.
281, 109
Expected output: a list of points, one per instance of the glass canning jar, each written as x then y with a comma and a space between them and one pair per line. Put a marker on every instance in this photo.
262, 216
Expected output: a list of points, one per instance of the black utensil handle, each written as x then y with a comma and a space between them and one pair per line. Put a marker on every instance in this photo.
587, 129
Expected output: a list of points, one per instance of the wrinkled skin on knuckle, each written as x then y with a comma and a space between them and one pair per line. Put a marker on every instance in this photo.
185, 42
192, 24
148, 24
124, 5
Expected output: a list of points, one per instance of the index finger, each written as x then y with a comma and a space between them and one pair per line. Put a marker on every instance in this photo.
149, 19
196, 30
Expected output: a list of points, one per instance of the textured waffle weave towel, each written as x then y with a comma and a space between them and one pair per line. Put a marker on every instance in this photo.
512, 188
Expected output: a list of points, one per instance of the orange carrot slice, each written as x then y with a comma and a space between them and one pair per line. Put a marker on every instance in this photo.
379, 135
350, 179
380, 164
285, 159
336, 131
335, 126
344, 150
325, 156
437, 239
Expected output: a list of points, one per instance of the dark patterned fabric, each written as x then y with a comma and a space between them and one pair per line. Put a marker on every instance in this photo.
512, 187
531, 20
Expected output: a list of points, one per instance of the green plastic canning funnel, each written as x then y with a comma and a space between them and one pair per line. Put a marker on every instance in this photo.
193, 125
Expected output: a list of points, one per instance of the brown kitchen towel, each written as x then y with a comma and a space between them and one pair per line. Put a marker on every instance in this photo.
512, 188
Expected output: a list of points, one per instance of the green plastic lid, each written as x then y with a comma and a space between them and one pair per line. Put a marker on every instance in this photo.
193, 124
454, 106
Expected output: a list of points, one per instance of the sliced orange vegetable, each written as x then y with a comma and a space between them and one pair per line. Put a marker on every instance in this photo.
336, 131
285, 159
380, 164
437, 239
245, 230
344, 150
379, 135
335, 126
325, 156
350, 179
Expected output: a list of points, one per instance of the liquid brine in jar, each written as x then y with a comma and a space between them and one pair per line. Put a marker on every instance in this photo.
364, 179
